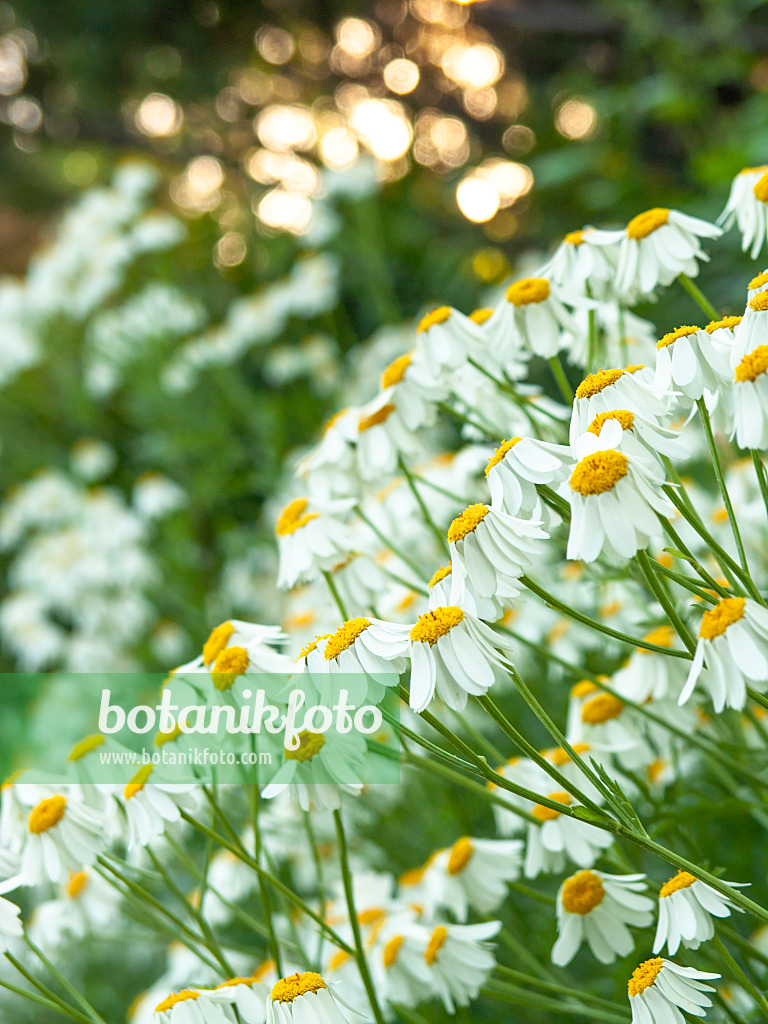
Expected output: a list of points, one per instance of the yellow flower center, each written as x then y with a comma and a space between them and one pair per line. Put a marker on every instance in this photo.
560, 756
479, 316
395, 372
594, 383
176, 997
312, 645
760, 188
138, 781
601, 708
662, 637
759, 303
77, 882
344, 637
645, 223
759, 281
500, 452
543, 813
168, 737
682, 880
574, 237
432, 625
391, 950
86, 746
230, 664
333, 420
468, 521
752, 365
582, 892
231, 982
292, 518
437, 316
715, 621
671, 338
436, 943
310, 744
582, 688
440, 574
644, 976
219, 636
599, 472
528, 291
339, 958
48, 813
288, 989
376, 418
461, 854
625, 418
729, 322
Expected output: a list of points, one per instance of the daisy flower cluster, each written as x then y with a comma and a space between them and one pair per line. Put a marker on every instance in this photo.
566, 598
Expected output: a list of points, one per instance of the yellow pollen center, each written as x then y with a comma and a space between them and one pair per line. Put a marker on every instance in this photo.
77, 882
436, 943
395, 372
601, 708
715, 621
168, 737
288, 989
528, 291
312, 645
500, 452
582, 688
138, 781
391, 950
662, 637
344, 637
645, 223
461, 854
333, 420
468, 521
230, 664
310, 744
594, 383
574, 237
752, 365
479, 316
759, 303
292, 518
682, 880
437, 316
176, 997
582, 892
561, 756
625, 418
671, 338
339, 958
599, 472
86, 746
728, 322
48, 813
440, 574
760, 188
644, 976
759, 281
432, 625
543, 813
217, 641
376, 418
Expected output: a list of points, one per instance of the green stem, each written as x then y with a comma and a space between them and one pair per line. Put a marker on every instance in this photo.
266, 900
739, 975
561, 379
335, 594
698, 297
46, 998
68, 987
761, 475
388, 544
437, 533
661, 596
684, 552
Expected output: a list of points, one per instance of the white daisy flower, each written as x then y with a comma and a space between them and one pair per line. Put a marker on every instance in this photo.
606, 390
10, 925
517, 466
534, 311
460, 959
750, 399
189, 1006
235, 647
413, 391
489, 609
399, 967
311, 537
732, 652
242, 998
330, 467
559, 837
752, 332
521, 772
606, 722
688, 359
614, 497
758, 284
642, 436
658, 990
444, 337
382, 437
649, 676
320, 768
579, 259
597, 908
367, 652
88, 904
63, 835
746, 207
686, 909
492, 550
657, 246
151, 806
454, 655
306, 999
472, 874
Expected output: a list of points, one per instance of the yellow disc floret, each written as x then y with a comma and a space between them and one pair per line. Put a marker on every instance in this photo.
230, 664
436, 943
543, 813
715, 621
310, 744
528, 291
479, 316
752, 365
759, 303
624, 417
671, 338
292, 518
760, 188
440, 574
176, 997
601, 708
574, 237
288, 989
582, 892
728, 322
500, 452
468, 521
594, 383
376, 418
682, 880
599, 472
392, 948
432, 625
758, 282
395, 372
77, 882
86, 746
138, 782
437, 316
46, 814
645, 223
312, 645
644, 976
219, 637
460, 856
344, 637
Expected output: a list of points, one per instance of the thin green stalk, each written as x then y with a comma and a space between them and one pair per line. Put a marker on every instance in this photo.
684, 552
561, 379
659, 593
522, 996
698, 297
761, 475
438, 534
266, 900
554, 987
67, 985
739, 975
346, 876
387, 542
685, 582
335, 594
49, 1004
462, 418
